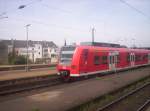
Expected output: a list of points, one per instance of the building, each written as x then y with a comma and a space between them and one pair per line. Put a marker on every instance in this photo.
38, 51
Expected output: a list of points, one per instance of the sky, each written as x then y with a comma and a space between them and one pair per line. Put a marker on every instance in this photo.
56, 20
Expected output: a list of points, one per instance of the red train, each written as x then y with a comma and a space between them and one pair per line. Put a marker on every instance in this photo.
83, 60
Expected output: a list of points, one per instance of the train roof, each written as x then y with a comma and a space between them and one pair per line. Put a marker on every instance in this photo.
102, 44
112, 48
103, 47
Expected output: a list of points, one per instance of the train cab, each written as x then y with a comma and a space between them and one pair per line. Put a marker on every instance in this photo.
68, 61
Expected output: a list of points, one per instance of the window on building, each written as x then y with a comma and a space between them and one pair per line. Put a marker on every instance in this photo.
45, 50
96, 60
39, 53
104, 60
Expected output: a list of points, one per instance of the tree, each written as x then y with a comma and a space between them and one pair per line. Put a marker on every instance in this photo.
20, 60
13, 58
3, 53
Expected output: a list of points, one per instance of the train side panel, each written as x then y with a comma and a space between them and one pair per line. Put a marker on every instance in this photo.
93, 60
75, 65
123, 60
87, 60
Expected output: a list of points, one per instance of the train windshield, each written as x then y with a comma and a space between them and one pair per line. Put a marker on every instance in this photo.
66, 54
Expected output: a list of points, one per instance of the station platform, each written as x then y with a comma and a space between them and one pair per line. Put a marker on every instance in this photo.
9, 75
66, 96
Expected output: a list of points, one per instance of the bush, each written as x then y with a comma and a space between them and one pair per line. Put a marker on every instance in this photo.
20, 60
13, 58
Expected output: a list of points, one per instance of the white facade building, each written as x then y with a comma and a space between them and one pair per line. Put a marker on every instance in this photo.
38, 51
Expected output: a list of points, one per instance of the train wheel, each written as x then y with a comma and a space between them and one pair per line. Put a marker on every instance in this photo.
65, 76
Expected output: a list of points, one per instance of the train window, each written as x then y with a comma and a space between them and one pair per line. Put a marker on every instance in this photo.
111, 59
145, 57
118, 59
96, 60
66, 55
137, 58
128, 57
85, 54
68, 48
104, 60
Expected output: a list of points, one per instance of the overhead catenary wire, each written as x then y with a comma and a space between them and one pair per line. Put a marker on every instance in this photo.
55, 8
33, 2
48, 24
135, 9
41, 22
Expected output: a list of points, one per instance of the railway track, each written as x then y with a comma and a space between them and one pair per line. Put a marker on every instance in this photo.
23, 67
27, 84
13, 86
144, 106
117, 104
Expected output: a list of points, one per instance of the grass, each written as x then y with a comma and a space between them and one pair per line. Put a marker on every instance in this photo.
52, 68
35, 109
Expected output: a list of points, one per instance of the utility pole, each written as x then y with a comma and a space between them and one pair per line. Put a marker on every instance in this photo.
93, 30
27, 65
65, 42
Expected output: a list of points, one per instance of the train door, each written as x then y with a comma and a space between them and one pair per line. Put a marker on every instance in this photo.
84, 61
132, 59
112, 60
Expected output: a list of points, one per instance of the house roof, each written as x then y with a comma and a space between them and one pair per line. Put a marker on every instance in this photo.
23, 43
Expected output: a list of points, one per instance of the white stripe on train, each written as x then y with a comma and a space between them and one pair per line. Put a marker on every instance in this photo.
117, 69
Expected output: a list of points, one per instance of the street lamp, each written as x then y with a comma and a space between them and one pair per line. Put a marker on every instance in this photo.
3, 17
27, 65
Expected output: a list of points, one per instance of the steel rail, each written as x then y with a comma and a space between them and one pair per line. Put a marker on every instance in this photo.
28, 85
144, 106
22, 67
25, 84
122, 97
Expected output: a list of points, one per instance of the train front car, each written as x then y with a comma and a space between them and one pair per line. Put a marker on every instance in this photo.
68, 62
